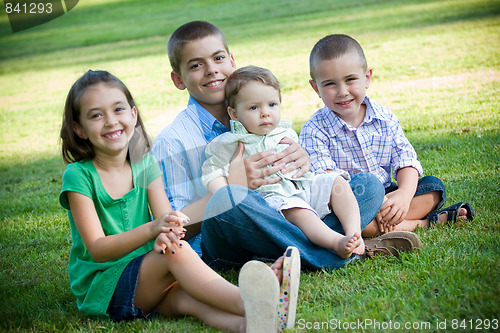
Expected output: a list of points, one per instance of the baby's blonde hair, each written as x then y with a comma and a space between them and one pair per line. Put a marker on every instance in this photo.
242, 76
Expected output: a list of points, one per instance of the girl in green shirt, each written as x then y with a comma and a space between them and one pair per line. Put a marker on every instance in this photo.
123, 264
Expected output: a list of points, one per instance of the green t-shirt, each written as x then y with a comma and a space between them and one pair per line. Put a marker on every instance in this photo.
93, 283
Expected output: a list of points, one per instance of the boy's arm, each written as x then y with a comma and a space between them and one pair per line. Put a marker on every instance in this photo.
172, 161
406, 169
403, 154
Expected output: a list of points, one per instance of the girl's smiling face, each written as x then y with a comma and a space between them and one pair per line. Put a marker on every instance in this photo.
106, 119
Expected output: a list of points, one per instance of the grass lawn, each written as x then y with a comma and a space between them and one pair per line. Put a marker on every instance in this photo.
436, 64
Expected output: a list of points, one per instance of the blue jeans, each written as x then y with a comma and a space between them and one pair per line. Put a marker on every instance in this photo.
425, 185
240, 226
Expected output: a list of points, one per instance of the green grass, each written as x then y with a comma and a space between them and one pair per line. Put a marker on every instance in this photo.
436, 65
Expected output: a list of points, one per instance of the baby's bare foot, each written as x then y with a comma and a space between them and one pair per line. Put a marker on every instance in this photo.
361, 248
347, 244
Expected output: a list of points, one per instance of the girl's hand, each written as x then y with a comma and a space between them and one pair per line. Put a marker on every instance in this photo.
167, 241
170, 222
168, 229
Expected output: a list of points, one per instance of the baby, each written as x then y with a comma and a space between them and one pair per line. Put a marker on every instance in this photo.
253, 98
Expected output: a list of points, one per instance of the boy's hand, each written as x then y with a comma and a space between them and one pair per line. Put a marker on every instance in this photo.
250, 171
394, 209
382, 226
380, 221
296, 156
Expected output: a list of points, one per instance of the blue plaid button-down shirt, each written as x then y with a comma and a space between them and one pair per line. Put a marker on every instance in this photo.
180, 152
377, 145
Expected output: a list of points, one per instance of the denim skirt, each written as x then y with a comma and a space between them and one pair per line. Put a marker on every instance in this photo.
121, 307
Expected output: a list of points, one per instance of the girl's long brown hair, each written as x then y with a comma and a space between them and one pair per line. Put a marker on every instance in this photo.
75, 148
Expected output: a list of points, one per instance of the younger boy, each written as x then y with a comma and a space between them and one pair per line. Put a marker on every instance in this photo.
356, 134
253, 98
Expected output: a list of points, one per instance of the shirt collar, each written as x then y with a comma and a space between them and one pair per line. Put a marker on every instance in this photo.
337, 123
331, 120
373, 112
209, 125
237, 127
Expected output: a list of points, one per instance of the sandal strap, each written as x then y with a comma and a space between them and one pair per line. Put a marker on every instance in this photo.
452, 215
433, 217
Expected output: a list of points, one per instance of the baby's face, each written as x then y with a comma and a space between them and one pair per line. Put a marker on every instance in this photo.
257, 108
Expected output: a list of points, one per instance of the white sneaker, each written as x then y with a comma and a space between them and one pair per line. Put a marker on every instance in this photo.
260, 290
289, 290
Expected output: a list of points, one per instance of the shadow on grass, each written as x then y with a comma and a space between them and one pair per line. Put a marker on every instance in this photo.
30, 187
35, 243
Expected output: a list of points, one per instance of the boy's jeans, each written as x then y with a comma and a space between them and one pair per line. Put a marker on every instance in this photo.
240, 226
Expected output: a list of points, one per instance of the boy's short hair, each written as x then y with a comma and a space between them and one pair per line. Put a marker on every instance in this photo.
334, 46
187, 33
242, 76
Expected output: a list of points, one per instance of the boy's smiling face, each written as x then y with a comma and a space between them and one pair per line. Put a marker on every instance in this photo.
204, 68
341, 83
